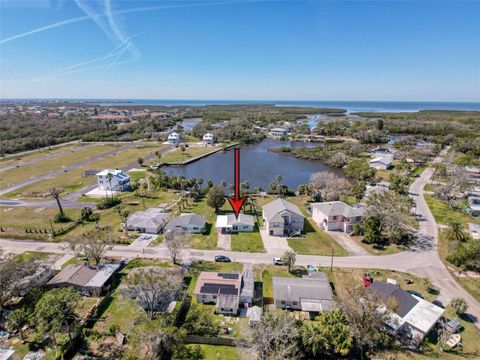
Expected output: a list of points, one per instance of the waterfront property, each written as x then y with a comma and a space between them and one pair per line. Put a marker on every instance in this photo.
89, 280
413, 317
113, 180
174, 138
150, 221
282, 218
208, 138
381, 163
336, 215
228, 291
190, 223
278, 132
227, 224
311, 293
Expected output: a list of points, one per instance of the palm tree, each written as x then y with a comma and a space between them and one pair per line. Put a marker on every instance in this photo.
55, 193
455, 233
459, 305
123, 213
109, 179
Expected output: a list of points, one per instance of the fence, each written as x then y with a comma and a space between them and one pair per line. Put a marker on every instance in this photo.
209, 340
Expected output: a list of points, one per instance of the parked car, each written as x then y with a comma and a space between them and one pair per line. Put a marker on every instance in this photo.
311, 268
277, 261
221, 258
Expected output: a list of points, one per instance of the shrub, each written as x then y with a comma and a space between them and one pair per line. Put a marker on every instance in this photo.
61, 218
108, 203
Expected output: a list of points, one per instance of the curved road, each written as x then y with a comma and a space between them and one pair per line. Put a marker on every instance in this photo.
422, 260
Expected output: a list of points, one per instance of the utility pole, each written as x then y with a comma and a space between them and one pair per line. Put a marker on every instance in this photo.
331, 262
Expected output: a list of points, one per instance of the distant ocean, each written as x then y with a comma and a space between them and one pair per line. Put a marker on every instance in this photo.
349, 106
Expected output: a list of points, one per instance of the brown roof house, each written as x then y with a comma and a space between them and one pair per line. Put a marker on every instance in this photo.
89, 280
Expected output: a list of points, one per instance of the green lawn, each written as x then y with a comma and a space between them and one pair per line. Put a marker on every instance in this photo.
384, 250
247, 242
177, 155
215, 352
315, 242
207, 240
444, 214
35, 155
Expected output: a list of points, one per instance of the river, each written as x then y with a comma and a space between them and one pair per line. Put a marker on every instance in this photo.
257, 165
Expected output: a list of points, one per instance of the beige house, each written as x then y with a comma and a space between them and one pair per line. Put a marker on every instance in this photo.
221, 289
336, 215
282, 218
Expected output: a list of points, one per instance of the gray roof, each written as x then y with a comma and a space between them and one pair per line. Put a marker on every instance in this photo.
277, 206
227, 301
337, 208
404, 301
186, 220
315, 289
84, 275
248, 288
147, 219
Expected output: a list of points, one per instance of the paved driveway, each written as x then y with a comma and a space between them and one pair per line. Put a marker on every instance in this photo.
224, 241
274, 244
348, 243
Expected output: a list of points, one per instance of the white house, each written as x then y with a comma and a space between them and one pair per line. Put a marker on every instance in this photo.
190, 223
335, 215
174, 138
208, 138
150, 221
381, 163
282, 217
116, 181
278, 132
227, 224
474, 230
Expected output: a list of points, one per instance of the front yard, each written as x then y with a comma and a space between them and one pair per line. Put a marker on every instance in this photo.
248, 241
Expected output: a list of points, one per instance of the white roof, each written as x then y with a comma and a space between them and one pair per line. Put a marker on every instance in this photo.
336, 208
382, 160
102, 276
423, 315
254, 313
225, 221
173, 135
115, 172
207, 136
278, 129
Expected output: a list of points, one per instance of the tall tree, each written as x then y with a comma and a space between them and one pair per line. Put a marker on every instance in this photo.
176, 242
17, 320
459, 305
289, 258
329, 186
93, 244
216, 197
109, 180
55, 193
124, 214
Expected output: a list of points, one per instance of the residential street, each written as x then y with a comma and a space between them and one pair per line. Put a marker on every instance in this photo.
422, 260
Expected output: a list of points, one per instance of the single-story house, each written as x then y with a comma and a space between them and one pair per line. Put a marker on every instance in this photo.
150, 221
474, 230
278, 132
378, 187
116, 181
174, 138
208, 138
190, 223
227, 224
282, 217
221, 289
89, 280
336, 215
381, 163
413, 317
311, 293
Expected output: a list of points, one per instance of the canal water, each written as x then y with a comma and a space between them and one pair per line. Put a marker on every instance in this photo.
258, 165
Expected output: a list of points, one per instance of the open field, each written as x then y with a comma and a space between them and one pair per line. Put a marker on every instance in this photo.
74, 179
14, 221
190, 152
215, 352
444, 214
43, 166
35, 155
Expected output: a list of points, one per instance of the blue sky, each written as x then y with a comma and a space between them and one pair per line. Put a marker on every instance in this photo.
285, 50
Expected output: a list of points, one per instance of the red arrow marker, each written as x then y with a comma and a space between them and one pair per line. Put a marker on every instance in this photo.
237, 202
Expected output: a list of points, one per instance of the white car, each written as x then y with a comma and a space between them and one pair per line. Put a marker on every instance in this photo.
277, 261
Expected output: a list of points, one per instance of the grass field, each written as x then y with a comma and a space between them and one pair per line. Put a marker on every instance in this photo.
247, 242
74, 179
43, 166
177, 155
315, 242
35, 155
444, 214
215, 352
14, 221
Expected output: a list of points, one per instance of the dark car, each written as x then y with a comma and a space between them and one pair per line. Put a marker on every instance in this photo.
221, 258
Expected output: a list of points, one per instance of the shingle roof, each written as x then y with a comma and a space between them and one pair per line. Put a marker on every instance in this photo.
84, 275
218, 283
336, 208
186, 220
405, 301
273, 208
148, 219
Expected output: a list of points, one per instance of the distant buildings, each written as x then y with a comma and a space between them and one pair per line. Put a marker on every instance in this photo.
282, 218
150, 221
278, 132
311, 293
335, 215
87, 279
413, 317
190, 223
174, 138
225, 290
227, 224
113, 180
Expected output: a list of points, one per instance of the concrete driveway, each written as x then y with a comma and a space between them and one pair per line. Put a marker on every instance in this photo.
348, 243
274, 244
